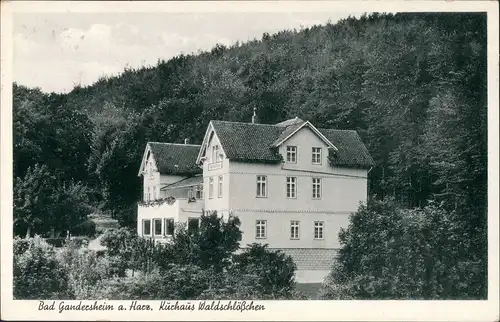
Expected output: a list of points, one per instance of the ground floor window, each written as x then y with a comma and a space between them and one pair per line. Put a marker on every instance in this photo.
157, 227
146, 227
193, 225
169, 227
260, 229
199, 192
318, 229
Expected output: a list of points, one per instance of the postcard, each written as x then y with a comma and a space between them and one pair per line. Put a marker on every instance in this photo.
257, 161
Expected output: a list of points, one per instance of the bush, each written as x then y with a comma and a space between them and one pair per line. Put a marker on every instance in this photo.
180, 282
37, 273
393, 253
273, 271
86, 228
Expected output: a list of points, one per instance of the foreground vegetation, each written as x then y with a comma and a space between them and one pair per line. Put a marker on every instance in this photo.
387, 253
200, 266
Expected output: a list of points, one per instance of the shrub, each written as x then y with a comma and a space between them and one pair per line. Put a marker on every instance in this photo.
86, 228
393, 253
273, 270
180, 282
37, 272
217, 240
85, 269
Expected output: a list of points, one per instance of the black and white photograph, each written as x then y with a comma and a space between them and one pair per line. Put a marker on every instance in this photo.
202, 161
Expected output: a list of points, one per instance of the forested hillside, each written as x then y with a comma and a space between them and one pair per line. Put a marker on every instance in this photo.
413, 85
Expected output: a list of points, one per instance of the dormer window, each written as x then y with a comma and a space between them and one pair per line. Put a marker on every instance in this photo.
291, 154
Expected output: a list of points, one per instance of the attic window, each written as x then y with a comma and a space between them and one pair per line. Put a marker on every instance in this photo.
216, 154
150, 168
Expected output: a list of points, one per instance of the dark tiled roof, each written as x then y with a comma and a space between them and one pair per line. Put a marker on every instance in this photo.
287, 131
192, 181
176, 159
289, 122
249, 142
352, 151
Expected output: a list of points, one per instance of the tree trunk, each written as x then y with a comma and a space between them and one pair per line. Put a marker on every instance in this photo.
28, 232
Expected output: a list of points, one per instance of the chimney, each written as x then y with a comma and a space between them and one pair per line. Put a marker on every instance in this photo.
186, 141
255, 118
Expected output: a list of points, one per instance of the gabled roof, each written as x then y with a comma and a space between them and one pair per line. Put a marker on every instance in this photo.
295, 127
351, 150
250, 142
289, 122
188, 182
173, 158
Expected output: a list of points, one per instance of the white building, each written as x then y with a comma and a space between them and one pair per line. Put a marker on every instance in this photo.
293, 186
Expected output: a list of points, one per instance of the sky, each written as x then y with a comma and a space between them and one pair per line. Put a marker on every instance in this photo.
56, 51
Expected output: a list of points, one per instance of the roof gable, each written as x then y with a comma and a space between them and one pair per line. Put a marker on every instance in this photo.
250, 142
173, 158
296, 127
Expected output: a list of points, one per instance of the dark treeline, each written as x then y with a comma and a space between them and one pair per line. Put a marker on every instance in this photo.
413, 85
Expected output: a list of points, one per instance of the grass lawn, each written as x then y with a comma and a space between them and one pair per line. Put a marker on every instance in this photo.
309, 289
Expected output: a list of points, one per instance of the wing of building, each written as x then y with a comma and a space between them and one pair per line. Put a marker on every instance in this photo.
292, 185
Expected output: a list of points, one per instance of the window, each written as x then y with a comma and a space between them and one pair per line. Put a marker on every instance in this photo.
157, 227
169, 227
215, 153
318, 229
291, 187
149, 194
220, 191
260, 229
316, 155
150, 169
146, 227
291, 154
316, 185
261, 186
211, 187
199, 192
294, 229
154, 193
193, 225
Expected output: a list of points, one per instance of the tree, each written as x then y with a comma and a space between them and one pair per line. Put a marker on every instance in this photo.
389, 252
37, 273
274, 271
32, 199
43, 204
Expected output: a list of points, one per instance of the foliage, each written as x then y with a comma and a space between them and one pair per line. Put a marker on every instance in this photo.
43, 204
390, 252
273, 270
86, 228
37, 272
85, 269
216, 240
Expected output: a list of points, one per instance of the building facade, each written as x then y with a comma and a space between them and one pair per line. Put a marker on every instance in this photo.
292, 185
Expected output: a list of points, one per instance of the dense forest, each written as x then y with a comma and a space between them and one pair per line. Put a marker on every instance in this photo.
412, 84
